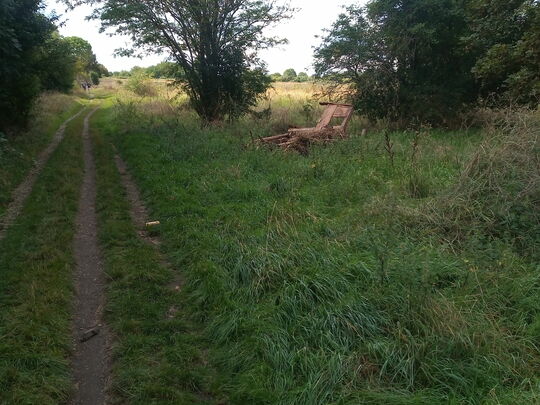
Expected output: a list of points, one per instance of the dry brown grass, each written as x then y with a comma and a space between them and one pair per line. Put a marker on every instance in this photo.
499, 188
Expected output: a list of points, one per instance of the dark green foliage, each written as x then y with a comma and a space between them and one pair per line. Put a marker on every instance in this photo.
421, 61
302, 77
289, 75
165, 70
33, 58
506, 36
403, 59
57, 64
24, 31
94, 77
276, 77
87, 69
214, 43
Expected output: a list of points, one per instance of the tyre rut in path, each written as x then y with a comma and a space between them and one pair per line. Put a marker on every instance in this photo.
91, 357
139, 217
24, 189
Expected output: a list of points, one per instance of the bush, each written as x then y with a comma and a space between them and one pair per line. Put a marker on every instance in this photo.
94, 77
141, 84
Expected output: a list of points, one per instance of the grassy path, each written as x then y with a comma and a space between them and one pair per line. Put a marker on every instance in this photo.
22, 192
156, 353
157, 356
36, 290
18, 155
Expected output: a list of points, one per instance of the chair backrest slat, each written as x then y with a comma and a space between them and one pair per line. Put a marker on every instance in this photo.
342, 112
327, 116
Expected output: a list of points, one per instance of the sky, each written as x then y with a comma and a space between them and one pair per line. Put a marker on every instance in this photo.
311, 18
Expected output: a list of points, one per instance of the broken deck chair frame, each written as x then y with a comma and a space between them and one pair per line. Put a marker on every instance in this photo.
324, 129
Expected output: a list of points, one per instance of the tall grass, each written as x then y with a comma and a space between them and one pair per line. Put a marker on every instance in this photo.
498, 191
311, 283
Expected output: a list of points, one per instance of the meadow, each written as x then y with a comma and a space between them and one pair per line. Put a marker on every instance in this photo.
392, 267
380, 269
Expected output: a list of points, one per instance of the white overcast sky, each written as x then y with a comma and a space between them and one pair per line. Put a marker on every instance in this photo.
311, 18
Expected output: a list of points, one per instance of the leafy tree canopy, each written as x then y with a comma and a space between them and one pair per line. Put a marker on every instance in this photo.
429, 60
289, 75
33, 58
214, 42
401, 59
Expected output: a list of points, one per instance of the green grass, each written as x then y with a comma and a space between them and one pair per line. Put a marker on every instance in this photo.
36, 289
17, 153
313, 278
318, 279
157, 354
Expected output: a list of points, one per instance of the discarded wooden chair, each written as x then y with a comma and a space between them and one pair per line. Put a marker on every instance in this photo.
300, 138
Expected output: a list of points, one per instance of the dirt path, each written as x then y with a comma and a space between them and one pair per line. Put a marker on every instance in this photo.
90, 363
24, 189
138, 211
139, 216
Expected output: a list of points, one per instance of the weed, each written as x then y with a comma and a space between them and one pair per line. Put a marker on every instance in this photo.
389, 147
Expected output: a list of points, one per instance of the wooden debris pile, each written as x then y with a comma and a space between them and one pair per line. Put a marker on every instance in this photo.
299, 139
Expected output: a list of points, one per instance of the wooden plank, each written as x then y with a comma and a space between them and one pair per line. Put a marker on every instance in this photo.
301, 130
345, 122
342, 112
327, 116
338, 104
274, 137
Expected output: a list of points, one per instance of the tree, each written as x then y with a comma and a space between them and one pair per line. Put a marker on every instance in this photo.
506, 36
302, 77
165, 70
87, 68
289, 75
24, 32
57, 64
214, 42
403, 59
276, 77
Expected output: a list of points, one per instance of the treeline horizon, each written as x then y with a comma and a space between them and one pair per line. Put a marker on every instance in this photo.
169, 70
406, 62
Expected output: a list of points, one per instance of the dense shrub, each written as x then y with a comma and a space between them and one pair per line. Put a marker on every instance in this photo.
141, 84
24, 33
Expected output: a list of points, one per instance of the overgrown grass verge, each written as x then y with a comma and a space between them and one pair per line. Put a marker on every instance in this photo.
312, 284
36, 290
17, 152
157, 355
498, 192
